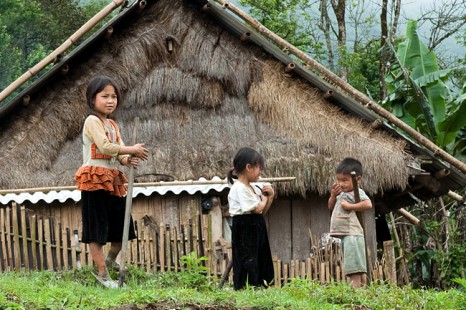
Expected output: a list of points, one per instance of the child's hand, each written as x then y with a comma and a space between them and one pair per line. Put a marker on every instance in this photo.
345, 205
335, 190
267, 190
133, 161
140, 151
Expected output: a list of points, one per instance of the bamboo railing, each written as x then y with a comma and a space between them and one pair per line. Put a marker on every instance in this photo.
28, 242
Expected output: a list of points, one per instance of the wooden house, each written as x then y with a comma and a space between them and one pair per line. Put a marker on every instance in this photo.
204, 83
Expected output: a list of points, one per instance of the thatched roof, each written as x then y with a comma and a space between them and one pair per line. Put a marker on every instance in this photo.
197, 106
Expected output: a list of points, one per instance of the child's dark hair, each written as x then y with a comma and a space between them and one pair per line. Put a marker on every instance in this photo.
347, 165
96, 85
243, 157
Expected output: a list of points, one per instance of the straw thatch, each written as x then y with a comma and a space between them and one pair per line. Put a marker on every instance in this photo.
197, 105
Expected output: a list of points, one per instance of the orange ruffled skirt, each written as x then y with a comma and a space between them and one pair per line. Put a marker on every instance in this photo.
93, 178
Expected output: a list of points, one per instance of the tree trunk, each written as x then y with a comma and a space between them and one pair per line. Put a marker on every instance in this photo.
325, 26
340, 8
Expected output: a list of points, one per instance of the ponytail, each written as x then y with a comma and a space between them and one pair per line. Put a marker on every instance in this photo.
231, 176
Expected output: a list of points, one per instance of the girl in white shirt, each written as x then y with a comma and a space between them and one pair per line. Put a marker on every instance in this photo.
252, 259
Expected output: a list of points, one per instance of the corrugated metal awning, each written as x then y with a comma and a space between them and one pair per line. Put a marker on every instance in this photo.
64, 195
218, 185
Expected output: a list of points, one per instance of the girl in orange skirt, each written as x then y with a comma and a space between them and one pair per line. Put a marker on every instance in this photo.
101, 183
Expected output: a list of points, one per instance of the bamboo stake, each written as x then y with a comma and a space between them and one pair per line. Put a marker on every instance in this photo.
343, 85
74, 265
40, 227
279, 276
309, 269
183, 240
33, 222
390, 262
61, 49
168, 248
57, 235
65, 238
80, 255
275, 270
162, 246
175, 248
16, 247
285, 274
154, 247
147, 184
147, 249
190, 236
133, 250
3, 239
48, 244
25, 239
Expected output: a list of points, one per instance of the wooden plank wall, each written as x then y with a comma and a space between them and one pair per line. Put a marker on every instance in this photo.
289, 222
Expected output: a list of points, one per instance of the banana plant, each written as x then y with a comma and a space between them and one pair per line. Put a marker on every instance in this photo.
418, 95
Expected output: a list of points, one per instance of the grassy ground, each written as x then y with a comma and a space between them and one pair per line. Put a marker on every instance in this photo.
191, 290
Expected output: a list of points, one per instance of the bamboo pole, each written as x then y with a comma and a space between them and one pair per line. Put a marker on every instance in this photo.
48, 244
57, 233
65, 237
147, 184
407, 215
34, 241
5, 262
154, 247
61, 49
74, 257
175, 248
9, 238
455, 196
162, 246
343, 85
40, 227
25, 239
168, 249
16, 247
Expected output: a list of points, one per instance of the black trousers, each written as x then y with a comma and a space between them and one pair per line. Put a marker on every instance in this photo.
252, 259
103, 217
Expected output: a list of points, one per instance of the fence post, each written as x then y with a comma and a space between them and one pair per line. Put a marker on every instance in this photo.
390, 262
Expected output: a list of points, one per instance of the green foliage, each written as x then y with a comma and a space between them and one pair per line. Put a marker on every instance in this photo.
437, 248
31, 29
419, 96
194, 272
364, 68
281, 17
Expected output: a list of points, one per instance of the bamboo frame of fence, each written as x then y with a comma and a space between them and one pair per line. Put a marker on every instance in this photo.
31, 243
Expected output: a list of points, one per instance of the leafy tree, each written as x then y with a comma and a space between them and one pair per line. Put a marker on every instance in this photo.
419, 96
32, 29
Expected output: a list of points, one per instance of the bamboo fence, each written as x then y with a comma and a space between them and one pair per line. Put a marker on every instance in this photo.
31, 243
